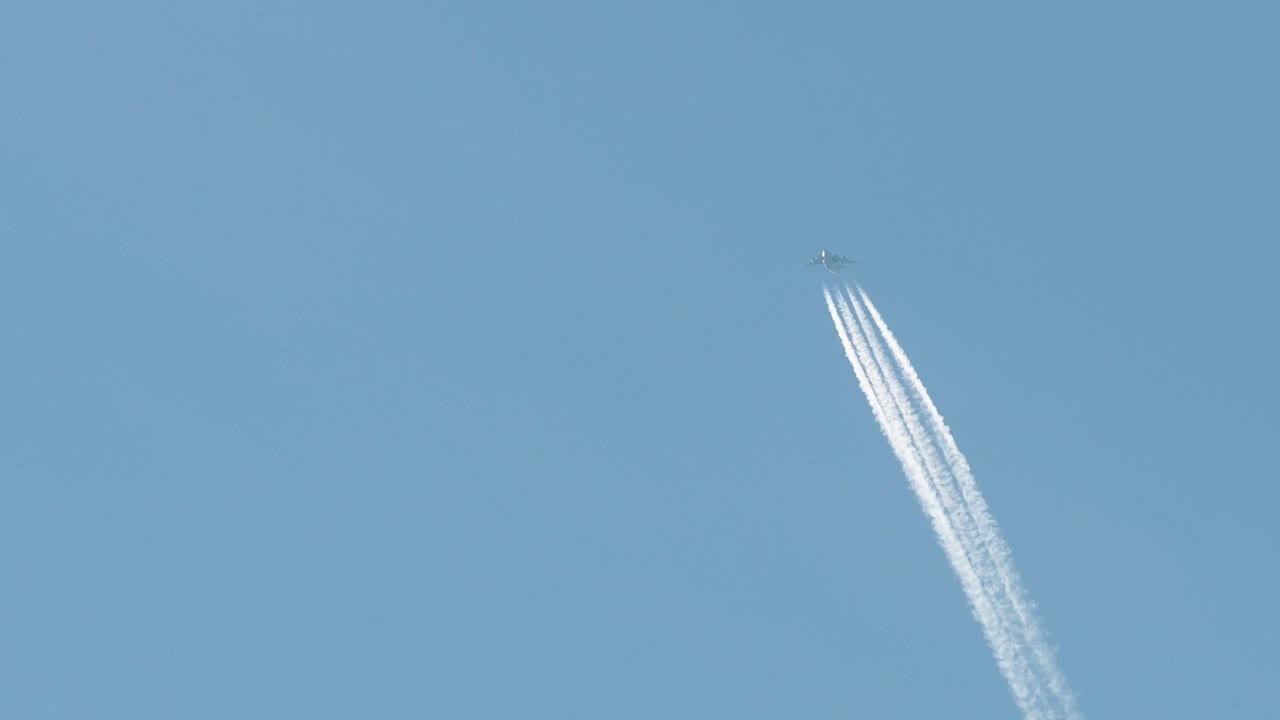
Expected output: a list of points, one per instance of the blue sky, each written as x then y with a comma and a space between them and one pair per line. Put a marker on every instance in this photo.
457, 360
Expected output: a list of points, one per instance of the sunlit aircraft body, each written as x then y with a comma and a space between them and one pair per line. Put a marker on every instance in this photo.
832, 262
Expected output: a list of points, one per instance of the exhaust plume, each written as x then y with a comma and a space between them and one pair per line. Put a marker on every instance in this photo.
943, 482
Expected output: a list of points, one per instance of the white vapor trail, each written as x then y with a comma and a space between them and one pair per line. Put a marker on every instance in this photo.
986, 528
939, 475
872, 382
1006, 644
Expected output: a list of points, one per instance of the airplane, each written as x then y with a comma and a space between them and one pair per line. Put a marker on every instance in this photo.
832, 262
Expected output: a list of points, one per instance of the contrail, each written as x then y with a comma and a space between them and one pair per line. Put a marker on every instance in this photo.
987, 529
965, 529
888, 415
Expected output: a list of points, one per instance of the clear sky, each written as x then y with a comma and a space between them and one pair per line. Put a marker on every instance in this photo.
458, 360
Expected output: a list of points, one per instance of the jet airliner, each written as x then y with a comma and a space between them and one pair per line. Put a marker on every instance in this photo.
832, 262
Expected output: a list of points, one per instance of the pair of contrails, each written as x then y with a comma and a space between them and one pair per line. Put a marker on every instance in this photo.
940, 476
